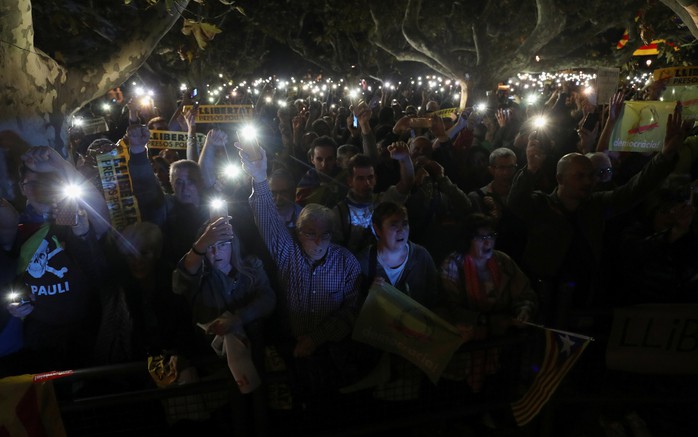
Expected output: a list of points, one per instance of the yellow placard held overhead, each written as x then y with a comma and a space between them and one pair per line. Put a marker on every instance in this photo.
173, 140
117, 187
223, 113
677, 75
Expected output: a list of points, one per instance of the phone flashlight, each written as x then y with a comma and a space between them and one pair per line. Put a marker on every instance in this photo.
231, 171
247, 137
72, 191
15, 297
539, 121
218, 208
481, 107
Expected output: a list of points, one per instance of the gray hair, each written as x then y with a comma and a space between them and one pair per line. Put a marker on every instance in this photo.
501, 152
315, 212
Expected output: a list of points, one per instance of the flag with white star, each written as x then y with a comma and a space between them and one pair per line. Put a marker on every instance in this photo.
561, 352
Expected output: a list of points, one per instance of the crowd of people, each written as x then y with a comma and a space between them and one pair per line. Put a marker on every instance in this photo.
481, 216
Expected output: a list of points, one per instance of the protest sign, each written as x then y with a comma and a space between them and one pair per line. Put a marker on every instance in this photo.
654, 338
117, 187
681, 86
641, 126
392, 321
223, 113
173, 140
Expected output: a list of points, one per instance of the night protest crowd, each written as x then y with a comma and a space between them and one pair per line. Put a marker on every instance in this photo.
492, 218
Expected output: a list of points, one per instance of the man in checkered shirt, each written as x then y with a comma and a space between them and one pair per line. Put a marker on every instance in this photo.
320, 279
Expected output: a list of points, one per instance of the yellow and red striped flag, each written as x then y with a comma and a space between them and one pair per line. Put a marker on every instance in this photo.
28, 406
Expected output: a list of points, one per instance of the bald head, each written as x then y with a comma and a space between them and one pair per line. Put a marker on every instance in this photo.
567, 161
575, 179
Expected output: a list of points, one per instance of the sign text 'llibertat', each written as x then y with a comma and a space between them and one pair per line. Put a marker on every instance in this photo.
174, 140
223, 113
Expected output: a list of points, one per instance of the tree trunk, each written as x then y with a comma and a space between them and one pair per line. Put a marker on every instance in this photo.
38, 95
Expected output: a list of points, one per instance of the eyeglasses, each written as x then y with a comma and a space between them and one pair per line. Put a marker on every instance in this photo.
313, 236
487, 237
220, 245
603, 171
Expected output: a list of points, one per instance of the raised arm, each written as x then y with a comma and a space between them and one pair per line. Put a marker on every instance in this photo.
215, 140
614, 107
400, 152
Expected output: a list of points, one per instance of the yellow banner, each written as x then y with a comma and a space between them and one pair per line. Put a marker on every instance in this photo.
642, 126
677, 75
117, 187
223, 113
392, 321
654, 338
174, 140
444, 112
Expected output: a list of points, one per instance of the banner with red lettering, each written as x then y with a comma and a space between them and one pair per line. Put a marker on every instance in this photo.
654, 338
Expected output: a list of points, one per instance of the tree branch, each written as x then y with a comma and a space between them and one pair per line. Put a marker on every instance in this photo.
691, 21
550, 22
88, 82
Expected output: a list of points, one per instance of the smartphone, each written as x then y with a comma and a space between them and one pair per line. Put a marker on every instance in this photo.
67, 212
590, 121
250, 146
356, 121
218, 208
420, 122
194, 93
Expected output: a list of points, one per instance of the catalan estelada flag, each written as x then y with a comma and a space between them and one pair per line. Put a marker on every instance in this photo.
28, 407
562, 350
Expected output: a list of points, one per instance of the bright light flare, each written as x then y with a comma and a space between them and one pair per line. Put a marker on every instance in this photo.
248, 132
531, 99
217, 204
231, 171
481, 107
72, 191
540, 121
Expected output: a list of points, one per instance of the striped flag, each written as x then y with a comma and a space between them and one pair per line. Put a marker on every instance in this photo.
562, 350
28, 406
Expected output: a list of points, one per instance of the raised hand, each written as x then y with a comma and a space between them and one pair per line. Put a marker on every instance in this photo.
676, 131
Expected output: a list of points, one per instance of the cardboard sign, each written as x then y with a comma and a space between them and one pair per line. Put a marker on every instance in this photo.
223, 113
174, 140
654, 338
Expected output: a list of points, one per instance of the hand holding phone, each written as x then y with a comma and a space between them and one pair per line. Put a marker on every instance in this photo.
248, 144
66, 213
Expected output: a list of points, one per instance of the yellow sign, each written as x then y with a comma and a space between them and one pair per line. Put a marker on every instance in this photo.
174, 140
223, 113
677, 75
117, 187
642, 126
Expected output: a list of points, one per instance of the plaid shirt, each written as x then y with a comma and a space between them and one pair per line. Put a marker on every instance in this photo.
320, 299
